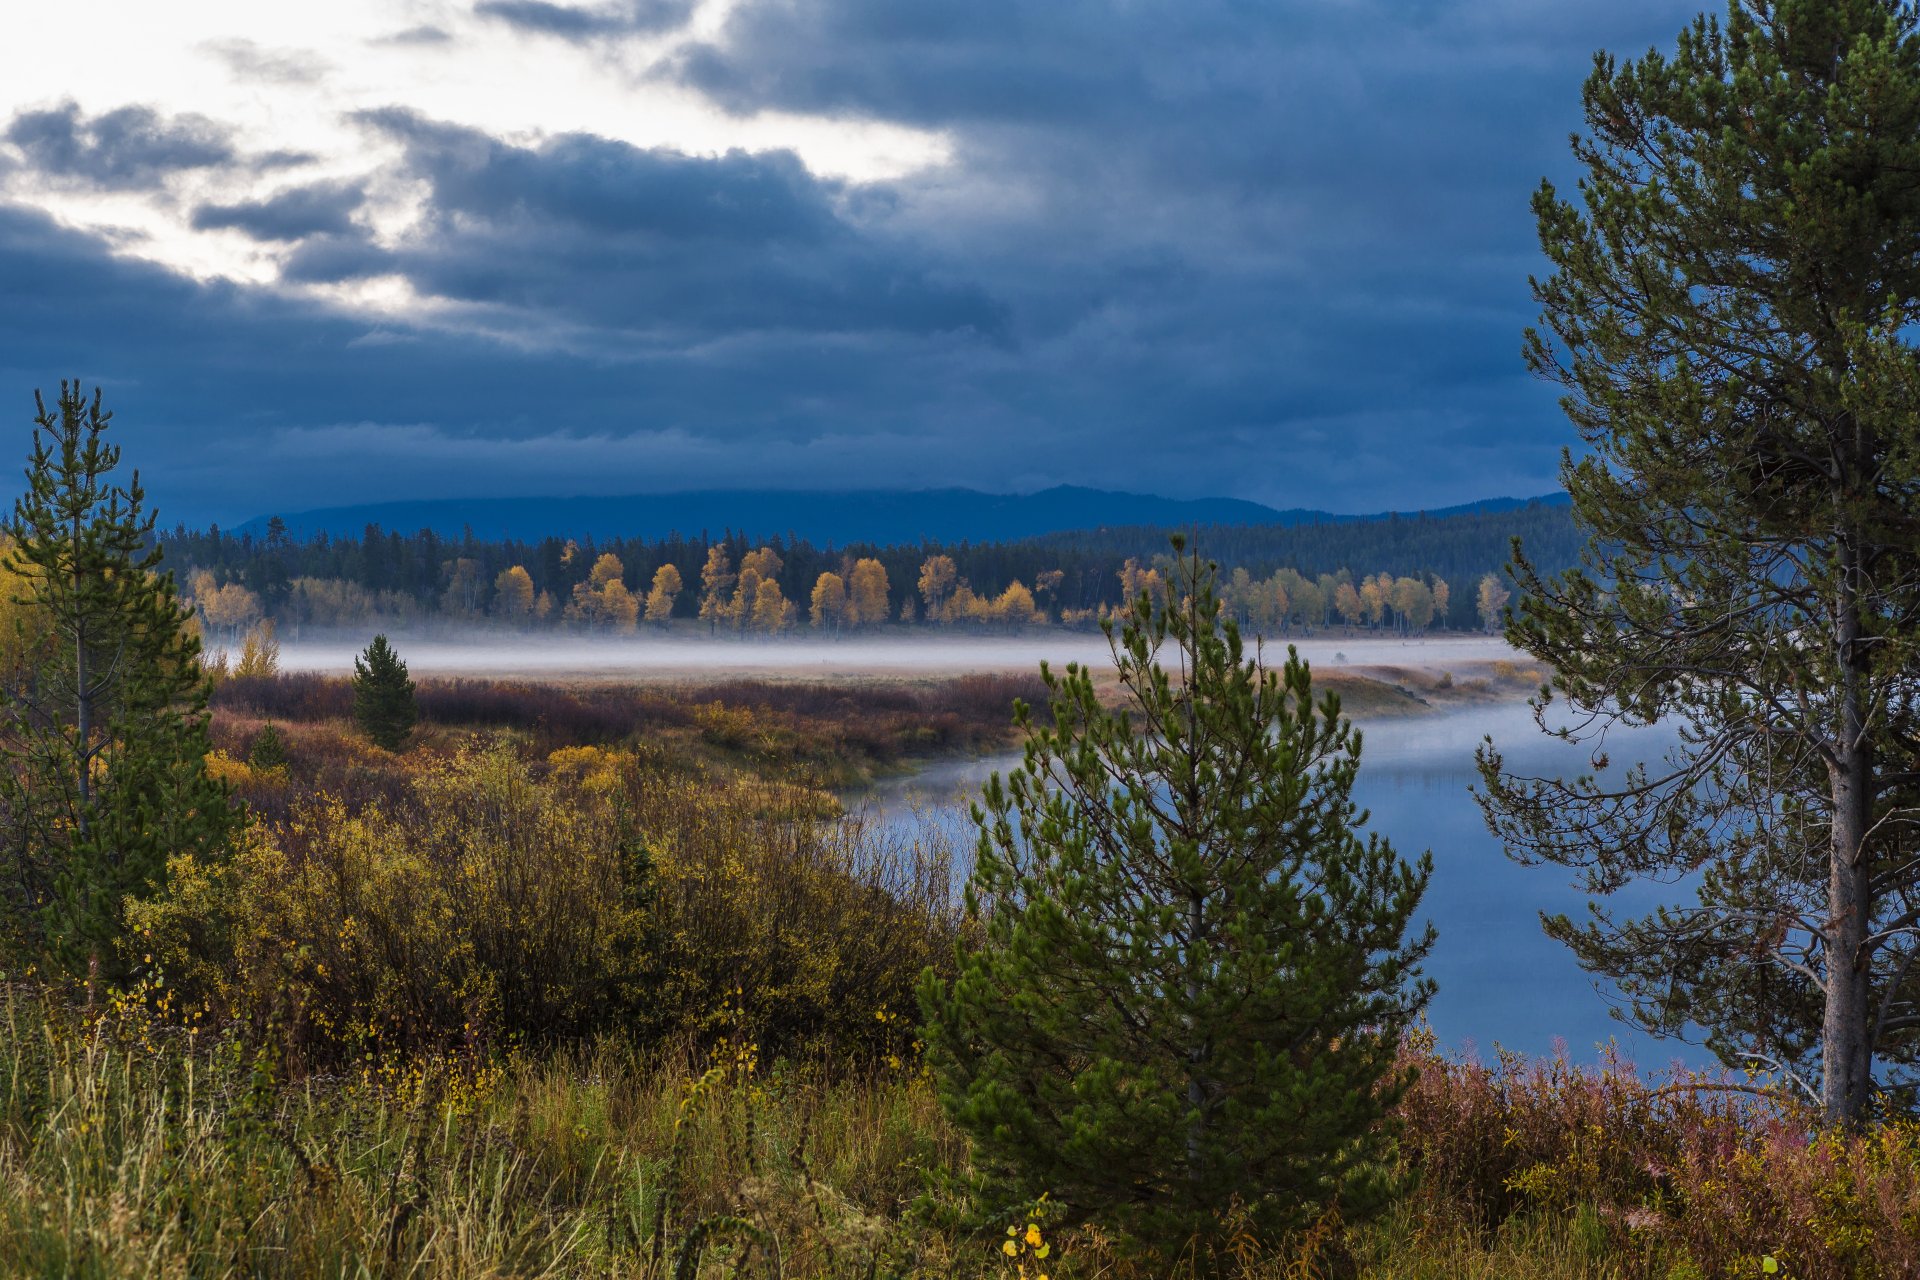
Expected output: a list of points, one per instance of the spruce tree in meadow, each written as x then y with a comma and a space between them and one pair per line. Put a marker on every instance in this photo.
267, 750
105, 743
383, 696
1194, 967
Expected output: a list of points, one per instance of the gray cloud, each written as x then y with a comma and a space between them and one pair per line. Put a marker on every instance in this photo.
423, 35
324, 208
255, 62
576, 22
129, 148
1276, 251
583, 231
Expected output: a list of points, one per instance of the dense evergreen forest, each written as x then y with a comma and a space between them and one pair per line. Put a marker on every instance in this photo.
392, 576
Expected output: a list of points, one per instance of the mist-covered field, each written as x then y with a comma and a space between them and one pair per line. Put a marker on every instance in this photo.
653, 656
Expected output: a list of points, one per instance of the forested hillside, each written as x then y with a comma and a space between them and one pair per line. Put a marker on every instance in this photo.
1071, 577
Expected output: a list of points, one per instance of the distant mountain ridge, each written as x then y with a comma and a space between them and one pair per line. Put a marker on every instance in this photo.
878, 516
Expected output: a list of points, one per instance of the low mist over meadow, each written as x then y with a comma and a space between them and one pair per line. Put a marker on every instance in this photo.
490, 653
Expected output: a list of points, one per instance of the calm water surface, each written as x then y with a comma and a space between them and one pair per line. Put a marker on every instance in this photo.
1502, 981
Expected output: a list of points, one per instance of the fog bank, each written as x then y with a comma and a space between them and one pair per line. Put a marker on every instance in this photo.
681, 656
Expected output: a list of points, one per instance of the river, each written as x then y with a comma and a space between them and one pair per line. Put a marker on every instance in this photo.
1502, 981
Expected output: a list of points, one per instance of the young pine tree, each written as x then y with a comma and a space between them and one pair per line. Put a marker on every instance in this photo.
106, 741
1195, 969
268, 751
383, 696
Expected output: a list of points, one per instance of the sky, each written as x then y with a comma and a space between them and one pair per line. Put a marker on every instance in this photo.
380, 249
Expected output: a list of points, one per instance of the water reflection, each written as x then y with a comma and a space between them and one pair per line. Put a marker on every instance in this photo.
1502, 981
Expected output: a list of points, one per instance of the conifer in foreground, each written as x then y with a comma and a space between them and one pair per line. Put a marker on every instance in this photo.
383, 696
1181, 1020
105, 744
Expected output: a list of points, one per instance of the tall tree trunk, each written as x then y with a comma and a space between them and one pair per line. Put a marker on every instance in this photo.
1196, 1047
1846, 1053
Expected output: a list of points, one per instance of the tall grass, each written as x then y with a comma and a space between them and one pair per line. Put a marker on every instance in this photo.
130, 1147
126, 1152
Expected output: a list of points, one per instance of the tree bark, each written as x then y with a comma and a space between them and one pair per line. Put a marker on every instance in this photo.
1846, 1051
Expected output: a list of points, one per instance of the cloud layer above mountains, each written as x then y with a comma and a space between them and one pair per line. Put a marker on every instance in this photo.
1276, 251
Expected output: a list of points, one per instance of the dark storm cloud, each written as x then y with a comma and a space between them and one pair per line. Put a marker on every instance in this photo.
584, 231
129, 148
1319, 213
577, 22
324, 208
1275, 251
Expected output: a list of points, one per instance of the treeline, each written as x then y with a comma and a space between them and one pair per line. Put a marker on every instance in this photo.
1403, 573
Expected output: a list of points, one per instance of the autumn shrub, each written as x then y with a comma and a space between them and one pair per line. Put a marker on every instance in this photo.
805, 933
1834, 1206
1522, 1134
557, 714
300, 695
487, 908
1695, 1175
817, 721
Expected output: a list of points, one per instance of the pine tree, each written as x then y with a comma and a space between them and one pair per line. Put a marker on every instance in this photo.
1732, 314
268, 751
383, 696
106, 744
1194, 968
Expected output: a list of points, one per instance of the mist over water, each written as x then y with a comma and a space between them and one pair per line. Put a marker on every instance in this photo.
1502, 981
482, 653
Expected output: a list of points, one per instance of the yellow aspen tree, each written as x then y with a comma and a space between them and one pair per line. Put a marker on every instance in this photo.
746, 593
1414, 601
1237, 595
771, 612
513, 595
606, 569
259, 652
619, 607
1046, 589
666, 590
867, 592
937, 578
716, 586
228, 610
1015, 605
1347, 603
1442, 597
1274, 605
464, 587
1407, 596
1491, 602
764, 561
1373, 599
829, 602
